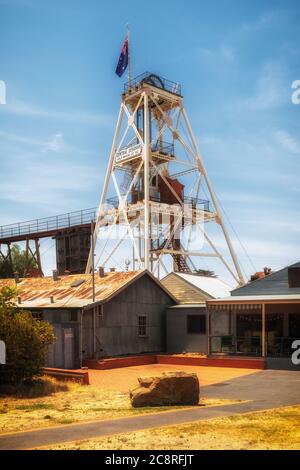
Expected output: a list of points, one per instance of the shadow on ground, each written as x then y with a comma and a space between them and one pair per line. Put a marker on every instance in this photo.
34, 389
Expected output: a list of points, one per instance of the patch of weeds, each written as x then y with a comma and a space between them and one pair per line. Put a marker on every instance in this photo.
35, 406
64, 421
38, 387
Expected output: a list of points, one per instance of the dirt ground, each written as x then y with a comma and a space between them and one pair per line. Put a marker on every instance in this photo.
54, 403
124, 379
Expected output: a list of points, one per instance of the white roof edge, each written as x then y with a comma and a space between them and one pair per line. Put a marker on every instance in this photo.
200, 305
256, 298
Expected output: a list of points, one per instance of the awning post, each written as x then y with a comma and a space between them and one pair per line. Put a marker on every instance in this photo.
263, 332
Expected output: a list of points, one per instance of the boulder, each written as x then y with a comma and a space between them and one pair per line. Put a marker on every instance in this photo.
170, 388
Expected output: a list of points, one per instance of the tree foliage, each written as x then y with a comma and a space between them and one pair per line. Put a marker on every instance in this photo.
205, 272
26, 338
20, 263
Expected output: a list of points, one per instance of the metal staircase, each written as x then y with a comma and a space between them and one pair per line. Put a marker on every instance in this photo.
180, 261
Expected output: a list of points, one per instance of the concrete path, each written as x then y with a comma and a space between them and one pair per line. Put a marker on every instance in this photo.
265, 389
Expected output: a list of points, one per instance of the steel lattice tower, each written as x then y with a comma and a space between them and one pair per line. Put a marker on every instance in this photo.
156, 191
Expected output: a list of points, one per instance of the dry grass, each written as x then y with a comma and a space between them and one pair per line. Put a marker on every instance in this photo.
51, 403
273, 429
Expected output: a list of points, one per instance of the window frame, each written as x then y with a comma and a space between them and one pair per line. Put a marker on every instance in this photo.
38, 314
145, 326
188, 325
100, 311
72, 314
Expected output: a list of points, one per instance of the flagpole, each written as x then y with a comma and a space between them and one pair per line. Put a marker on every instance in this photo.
129, 61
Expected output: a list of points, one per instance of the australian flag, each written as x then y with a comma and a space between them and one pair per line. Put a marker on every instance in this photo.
123, 59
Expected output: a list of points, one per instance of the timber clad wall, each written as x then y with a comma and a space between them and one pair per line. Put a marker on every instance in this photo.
117, 330
178, 338
65, 352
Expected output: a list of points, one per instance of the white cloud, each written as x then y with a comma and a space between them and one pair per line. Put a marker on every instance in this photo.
223, 53
53, 184
20, 139
288, 142
271, 89
21, 108
40, 177
264, 21
56, 143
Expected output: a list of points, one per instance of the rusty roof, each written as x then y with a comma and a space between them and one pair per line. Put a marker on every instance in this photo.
37, 292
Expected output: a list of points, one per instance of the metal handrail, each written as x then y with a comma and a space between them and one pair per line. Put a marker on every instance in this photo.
154, 80
193, 202
47, 224
163, 147
234, 345
158, 146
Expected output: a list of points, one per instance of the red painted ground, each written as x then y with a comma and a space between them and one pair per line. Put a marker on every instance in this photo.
124, 379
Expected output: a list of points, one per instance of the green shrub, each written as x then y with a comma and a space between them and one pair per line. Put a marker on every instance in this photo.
26, 338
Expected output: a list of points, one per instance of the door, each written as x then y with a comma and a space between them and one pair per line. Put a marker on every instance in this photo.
68, 346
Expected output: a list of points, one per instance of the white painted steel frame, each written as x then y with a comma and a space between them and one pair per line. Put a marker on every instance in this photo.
147, 162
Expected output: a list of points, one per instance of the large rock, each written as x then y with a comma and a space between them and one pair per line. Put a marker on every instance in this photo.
170, 388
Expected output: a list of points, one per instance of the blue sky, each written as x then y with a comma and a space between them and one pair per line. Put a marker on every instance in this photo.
236, 62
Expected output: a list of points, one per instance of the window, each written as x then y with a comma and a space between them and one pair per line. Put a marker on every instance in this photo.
73, 315
142, 325
37, 314
294, 277
154, 181
196, 324
99, 310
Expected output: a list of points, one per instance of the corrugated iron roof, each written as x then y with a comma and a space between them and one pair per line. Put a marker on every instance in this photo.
36, 292
194, 289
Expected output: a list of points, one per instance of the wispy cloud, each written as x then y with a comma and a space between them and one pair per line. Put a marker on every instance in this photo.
21, 108
264, 21
53, 185
43, 173
271, 89
20, 139
55, 143
288, 142
223, 53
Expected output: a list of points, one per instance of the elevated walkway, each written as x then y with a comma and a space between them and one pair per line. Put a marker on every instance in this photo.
46, 227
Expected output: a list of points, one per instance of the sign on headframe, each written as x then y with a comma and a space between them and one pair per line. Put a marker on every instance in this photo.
153, 139
128, 152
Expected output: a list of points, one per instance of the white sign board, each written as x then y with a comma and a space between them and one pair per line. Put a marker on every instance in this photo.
128, 152
2, 353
